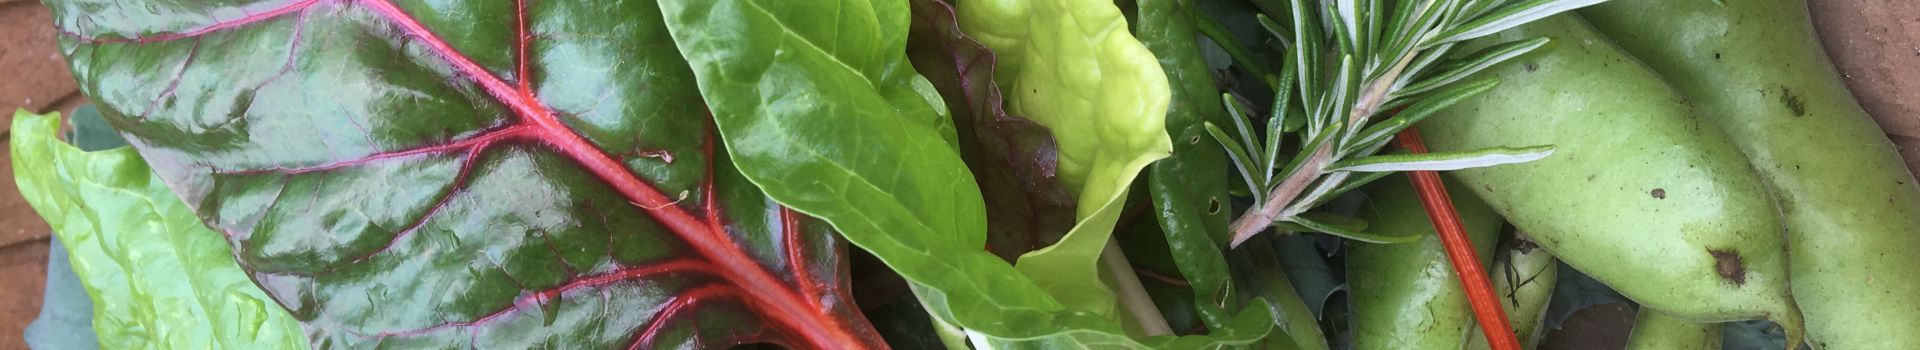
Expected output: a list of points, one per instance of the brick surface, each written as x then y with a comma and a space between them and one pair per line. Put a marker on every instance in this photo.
23, 266
35, 79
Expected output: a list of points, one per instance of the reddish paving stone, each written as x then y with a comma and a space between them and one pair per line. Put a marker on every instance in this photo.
36, 79
23, 268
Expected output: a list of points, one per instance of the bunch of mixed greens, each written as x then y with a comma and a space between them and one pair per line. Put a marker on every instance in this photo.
865, 174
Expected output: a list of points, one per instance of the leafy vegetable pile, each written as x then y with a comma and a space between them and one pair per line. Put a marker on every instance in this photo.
926, 173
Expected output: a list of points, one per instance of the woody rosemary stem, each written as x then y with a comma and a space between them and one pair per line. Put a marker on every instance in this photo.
1282, 196
1473, 277
1257, 220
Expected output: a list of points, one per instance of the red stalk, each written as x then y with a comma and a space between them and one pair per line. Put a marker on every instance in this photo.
1453, 235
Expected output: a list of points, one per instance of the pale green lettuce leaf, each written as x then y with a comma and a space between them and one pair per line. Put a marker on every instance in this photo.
1072, 66
157, 277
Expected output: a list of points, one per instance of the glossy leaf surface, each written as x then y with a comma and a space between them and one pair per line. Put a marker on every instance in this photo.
159, 280
829, 130
497, 174
1189, 188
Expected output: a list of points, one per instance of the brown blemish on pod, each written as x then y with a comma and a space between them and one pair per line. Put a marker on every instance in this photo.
1727, 264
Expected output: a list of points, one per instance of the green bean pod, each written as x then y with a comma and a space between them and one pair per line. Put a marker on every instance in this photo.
1406, 296
1653, 330
1640, 193
1523, 276
1852, 209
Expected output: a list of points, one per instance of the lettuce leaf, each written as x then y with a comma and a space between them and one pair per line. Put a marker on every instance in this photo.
1072, 66
1013, 158
157, 277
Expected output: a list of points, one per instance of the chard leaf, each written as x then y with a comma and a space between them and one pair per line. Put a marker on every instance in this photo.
1073, 66
1013, 158
483, 174
811, 124
158, 279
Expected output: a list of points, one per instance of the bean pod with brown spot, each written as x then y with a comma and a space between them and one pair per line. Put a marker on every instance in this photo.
1851, 208
1710, 250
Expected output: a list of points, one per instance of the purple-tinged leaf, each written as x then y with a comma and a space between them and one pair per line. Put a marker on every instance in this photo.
1013, 159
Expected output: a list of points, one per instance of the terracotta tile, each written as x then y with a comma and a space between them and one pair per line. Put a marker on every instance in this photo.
1876, 45
36, 74
36, 79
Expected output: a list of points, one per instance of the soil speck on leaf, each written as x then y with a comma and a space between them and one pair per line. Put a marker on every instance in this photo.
1793, 102
1727, 263
1525, 246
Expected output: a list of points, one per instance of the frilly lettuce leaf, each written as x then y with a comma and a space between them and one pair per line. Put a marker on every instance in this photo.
1014, 159
1072, 66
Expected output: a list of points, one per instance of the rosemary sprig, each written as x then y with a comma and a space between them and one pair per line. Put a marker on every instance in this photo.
1347, 62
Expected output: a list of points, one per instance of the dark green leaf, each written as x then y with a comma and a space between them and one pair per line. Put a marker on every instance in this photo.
1345, 227
1270, 280
479, 174
1473, 63
1218, 33
1307, 49
1508, 16
1241, 161
1278, 32
1243, 124
1380, 132
1278, 123
1189, 189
